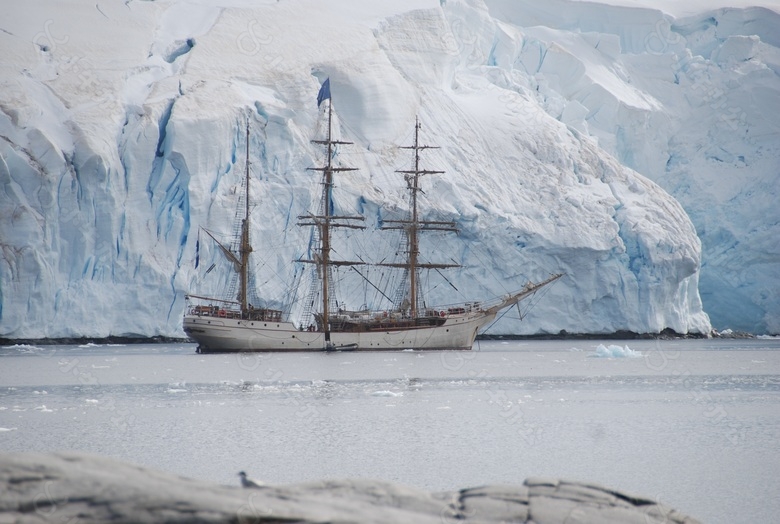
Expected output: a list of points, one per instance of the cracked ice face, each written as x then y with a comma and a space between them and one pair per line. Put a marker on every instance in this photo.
114, 156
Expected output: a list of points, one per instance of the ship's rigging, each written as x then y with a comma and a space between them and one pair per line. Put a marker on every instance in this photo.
326, 323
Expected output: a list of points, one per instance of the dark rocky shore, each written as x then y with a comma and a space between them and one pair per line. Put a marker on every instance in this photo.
71, 487
92, 340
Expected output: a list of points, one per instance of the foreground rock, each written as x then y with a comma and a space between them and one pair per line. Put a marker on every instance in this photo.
70, 487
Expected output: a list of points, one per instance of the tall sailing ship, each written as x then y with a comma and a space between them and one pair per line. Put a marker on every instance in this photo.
227, 325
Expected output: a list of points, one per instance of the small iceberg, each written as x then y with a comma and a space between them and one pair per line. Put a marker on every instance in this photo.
177, 387
615, 351
386, 393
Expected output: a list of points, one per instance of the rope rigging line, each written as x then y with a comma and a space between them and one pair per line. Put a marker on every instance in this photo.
533, 299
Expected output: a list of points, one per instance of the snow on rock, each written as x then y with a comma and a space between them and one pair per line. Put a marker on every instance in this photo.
87, 488
113, 156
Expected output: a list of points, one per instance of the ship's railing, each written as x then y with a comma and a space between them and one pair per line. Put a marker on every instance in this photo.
213, 311
448, 310
229, 310
371, 316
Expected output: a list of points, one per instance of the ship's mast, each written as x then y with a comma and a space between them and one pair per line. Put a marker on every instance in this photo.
326, 221
414, 243
414, 225
245, 248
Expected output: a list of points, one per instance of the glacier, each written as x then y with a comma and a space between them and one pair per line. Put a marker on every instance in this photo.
630, 147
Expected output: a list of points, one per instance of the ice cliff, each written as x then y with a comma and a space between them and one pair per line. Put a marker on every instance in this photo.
122, 129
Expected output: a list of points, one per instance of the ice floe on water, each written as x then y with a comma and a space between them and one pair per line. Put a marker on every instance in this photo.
386, 393
176, 387
24, 348
615, 351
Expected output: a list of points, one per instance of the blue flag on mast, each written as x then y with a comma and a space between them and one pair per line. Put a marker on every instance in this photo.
324, 93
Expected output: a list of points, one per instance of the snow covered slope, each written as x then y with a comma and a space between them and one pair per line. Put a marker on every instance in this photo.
122, 132
689, 102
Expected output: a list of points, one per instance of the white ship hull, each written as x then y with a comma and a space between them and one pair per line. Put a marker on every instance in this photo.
227, 335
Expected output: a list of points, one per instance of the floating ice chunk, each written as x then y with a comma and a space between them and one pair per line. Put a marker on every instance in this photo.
386, 393
615, 351
24, 348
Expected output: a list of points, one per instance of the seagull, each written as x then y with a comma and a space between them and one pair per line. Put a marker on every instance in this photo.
248, 482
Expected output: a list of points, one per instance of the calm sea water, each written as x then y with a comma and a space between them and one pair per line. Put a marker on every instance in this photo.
692, 423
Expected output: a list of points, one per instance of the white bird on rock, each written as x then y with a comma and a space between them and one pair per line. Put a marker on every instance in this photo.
248, 482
